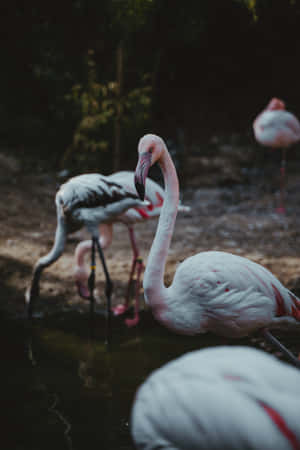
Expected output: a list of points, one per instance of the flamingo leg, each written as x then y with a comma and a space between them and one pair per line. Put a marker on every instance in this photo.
81, 275
275, 342
281, 208
137, 268
122, 308
140, 268
108, 288
91, 279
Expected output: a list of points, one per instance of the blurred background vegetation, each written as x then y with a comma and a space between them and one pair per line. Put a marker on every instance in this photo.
82, 80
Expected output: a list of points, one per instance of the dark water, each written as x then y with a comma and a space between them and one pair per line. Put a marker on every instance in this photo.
62, 389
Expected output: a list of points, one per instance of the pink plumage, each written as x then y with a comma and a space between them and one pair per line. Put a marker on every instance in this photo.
211, 291
277, 128
219, 398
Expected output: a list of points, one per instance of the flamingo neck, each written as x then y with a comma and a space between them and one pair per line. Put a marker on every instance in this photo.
80, 251
156, 293
84, 246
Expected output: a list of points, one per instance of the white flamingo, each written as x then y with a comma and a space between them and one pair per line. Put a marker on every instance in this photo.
277, 128
154, 196
211, 291
85, 200
229, 398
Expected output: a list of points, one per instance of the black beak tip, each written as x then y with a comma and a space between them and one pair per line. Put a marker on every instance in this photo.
140, 188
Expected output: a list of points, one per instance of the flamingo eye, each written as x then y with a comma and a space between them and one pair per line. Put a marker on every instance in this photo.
151, 149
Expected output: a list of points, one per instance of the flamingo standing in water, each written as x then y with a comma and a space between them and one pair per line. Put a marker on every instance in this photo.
154, 197
277, 128
85, 200
211, 291
219, 398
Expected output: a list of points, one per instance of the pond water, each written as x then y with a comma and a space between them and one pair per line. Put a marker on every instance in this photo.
63, 389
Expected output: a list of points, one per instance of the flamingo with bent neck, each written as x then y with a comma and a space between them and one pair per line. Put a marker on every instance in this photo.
154, 196
213, 291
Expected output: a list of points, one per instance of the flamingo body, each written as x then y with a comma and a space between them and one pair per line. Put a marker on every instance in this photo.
275, 127
92, 199
211, 291
85, 200
154, 196
219, 398
228, 295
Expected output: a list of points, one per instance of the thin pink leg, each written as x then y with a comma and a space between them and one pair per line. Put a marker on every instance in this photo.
281, 208
136, 318
137, 265
120, 309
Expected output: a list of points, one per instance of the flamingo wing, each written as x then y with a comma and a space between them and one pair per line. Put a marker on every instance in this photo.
92, 191
277, 128
227, 294
225, 397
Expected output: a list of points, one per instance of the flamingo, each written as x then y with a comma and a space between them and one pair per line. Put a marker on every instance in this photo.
215, 291
219, 398
154, 197
85, 200
277, 128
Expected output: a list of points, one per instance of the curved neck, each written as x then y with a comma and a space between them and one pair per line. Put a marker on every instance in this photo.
154, 288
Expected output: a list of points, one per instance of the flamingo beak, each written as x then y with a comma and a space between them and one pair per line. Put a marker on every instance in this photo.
141, 173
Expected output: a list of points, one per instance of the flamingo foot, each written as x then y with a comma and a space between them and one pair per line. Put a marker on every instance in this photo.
119, 310
281, 210
132, 322
83, 290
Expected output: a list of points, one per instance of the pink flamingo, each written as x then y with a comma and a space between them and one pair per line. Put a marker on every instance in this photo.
227, 397
211, 291
154, 197
85, 200
277, 128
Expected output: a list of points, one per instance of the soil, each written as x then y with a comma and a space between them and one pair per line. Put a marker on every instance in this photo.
238, 217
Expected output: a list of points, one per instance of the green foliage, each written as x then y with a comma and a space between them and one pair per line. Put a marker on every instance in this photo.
97, 105
254, 5
130, 15
202, 66
251, 5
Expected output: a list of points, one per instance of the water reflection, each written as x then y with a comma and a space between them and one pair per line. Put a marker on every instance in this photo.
66, 390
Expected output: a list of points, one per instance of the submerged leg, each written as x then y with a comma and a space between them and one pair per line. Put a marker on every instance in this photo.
108, 289
32, 292
275, 342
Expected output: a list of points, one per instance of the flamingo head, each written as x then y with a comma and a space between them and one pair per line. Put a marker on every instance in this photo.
81, 280
150, 149
275, 104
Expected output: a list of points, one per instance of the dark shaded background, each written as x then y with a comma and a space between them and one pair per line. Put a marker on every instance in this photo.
80, 82
198, 68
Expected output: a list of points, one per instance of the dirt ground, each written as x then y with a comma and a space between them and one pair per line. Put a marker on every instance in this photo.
238, 218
